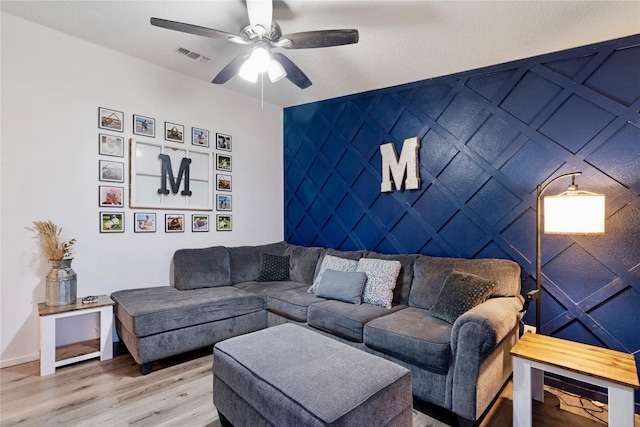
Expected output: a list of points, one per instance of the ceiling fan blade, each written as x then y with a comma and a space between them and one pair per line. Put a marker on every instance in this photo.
194, 29
260, 13
231, 69
294, 74
323, 38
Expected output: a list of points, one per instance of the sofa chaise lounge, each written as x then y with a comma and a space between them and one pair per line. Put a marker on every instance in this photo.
450, 321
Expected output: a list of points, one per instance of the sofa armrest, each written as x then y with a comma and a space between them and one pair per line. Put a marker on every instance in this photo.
475, 336
491, 321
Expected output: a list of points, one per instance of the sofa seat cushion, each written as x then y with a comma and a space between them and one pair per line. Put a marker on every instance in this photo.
267, 288
149, 311
414, 336
343, 319
291, 304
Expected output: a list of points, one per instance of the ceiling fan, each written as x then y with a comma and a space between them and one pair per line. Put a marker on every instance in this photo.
262, 34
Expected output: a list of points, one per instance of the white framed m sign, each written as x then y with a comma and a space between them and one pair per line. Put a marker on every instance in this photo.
406, 166
164, 177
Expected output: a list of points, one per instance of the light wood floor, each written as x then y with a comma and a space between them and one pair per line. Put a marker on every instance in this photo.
114, 393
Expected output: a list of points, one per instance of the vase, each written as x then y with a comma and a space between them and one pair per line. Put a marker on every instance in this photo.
62, 283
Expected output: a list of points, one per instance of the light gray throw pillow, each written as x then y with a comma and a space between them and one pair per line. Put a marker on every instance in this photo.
333, 263
344, 286
382, 276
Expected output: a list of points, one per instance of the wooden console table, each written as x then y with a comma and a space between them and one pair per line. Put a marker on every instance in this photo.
534, 354
48, 317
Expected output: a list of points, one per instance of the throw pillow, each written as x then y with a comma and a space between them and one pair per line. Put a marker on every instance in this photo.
273, 268
460, 293
382, 276
333, 263
344, 286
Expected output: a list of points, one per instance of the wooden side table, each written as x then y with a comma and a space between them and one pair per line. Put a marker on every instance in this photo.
48, 317
534, 354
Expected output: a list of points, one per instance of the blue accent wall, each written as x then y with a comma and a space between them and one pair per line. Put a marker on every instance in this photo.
488, 138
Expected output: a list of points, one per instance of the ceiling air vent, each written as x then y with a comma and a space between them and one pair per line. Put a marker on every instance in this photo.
193, 55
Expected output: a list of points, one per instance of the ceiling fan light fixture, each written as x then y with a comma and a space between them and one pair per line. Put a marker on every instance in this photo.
276, 71
261, 58
248, 71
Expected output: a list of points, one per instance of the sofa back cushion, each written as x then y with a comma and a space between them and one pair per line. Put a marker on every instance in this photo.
430, 273
201, 268
403, 285
245, 260
303, 261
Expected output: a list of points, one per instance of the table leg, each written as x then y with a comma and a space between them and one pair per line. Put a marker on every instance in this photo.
621, 403
537, 384
106, 335
522, 392
47, 345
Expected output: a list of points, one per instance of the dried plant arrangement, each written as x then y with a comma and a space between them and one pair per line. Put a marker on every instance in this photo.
53, 246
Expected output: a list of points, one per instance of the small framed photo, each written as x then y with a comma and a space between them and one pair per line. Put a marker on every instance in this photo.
223, 182
223, 142
111, 145
223, 202
174, 223
144, 222
223, 222
223, 162
111, 196
110, 119
111, 222
200, 137
199, 223
111, 171
173, 132
145, 126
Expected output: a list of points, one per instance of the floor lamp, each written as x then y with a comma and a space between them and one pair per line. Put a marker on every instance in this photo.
571, 212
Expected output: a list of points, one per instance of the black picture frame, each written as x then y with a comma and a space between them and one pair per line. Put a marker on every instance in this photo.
199, 223
199, 137
110, 119
223, 162
173, 132
174, 223
223, 142
109, 171
110, 145
111, 222
144, 126
224, 222
224, 202
144, 222
223, 182
110, 197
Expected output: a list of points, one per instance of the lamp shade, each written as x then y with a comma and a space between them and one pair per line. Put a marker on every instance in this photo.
574, 212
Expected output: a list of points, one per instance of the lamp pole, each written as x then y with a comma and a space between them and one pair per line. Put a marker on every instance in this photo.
537, 294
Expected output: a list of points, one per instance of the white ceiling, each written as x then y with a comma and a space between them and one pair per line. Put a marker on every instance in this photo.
400, 41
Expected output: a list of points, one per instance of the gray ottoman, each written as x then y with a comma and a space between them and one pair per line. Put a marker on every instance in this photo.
290, 376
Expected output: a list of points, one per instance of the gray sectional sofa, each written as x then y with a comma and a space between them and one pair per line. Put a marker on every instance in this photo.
451, 321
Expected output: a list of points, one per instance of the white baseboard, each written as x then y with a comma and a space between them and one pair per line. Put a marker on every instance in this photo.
5, 363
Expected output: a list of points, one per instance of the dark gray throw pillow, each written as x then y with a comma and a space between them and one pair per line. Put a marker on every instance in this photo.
273, 268
460, 293
344, 286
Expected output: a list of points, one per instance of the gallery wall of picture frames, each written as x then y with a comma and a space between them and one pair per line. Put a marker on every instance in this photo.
114, 168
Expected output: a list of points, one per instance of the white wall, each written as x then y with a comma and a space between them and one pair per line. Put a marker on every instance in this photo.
51, 88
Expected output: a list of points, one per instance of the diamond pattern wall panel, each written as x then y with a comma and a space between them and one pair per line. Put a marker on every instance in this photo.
488, 138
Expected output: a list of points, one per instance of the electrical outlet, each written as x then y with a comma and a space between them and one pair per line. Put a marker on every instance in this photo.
529, 328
